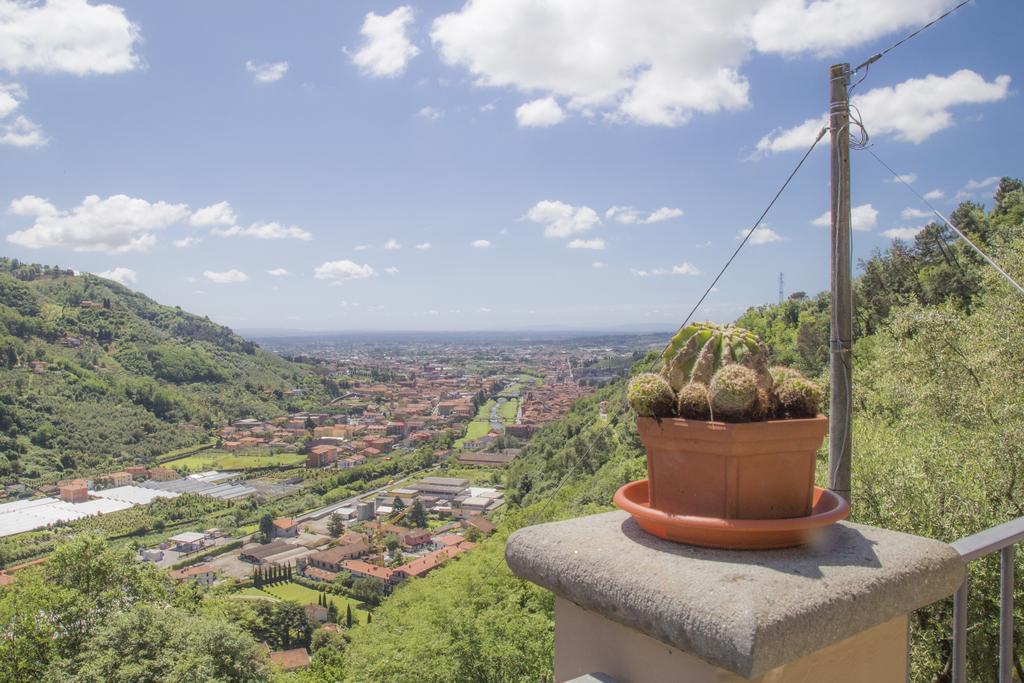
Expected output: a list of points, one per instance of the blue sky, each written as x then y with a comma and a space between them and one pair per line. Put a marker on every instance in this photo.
496, 135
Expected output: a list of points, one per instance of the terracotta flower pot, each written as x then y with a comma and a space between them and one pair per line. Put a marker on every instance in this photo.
748, 470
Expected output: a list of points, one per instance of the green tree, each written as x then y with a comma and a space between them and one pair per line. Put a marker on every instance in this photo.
348, 615
150, 643
335, 525
398, 504
417, 515
267, 527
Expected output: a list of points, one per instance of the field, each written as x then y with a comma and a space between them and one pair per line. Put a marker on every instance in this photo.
507, 411
218, 460
306, 596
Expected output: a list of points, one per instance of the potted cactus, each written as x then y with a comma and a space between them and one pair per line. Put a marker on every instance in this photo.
726, 436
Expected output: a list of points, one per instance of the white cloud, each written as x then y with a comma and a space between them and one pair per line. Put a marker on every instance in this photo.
225, 277
863, 218
66, 36
827, 27
122, 275
423, 246
430, 113
540, 113
484, 309
480, 244
598, 265
911, 111
220, 213
681, 269
656, 62
685, 269
629, 216
561, 219
595, 244
908, 178
268, 72
934, 194
343, 270
386, 49
901, 233
761, 236
391, 270
18, 131
266, 231
991, 181
278, 272
488, 107
115, 225
392, 245
909, 214
189, 241
362, 247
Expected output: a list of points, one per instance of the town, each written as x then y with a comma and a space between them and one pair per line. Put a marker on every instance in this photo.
332, 509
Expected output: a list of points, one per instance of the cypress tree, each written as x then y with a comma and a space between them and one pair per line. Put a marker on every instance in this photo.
348, 615
369, 618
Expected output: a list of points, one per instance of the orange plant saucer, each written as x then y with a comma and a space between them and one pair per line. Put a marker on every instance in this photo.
736, 534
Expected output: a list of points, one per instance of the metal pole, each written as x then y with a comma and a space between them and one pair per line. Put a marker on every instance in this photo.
1006, 615
841, 338
960, 633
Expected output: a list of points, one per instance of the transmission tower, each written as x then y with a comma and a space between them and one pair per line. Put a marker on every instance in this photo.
780, 287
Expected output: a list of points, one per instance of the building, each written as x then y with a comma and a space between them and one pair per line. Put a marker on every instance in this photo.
366, 510
316, 613
260, 553
203, 574
122, 478
365, 570
321, 456
152, 554
441, 486
421, 566
480, 523
488, 459
74, 493
136, 470
162, 474
188, 541
331, 559
290, 660
285, 527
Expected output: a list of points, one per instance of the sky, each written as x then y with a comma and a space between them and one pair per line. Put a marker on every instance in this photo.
482, 165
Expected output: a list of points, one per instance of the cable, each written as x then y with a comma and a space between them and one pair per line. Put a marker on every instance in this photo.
750, 232
945, 220
875, 57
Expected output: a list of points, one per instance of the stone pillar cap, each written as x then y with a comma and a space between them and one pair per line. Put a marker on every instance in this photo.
745, 611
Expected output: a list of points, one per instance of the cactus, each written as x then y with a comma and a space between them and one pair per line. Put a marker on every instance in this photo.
781, 372
699, 350
733, 393
693, 402
798, 396
650, 395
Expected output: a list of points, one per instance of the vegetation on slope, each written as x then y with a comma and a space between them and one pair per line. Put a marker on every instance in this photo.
159, 377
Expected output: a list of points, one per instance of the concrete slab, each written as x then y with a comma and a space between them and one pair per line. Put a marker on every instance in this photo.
745, 611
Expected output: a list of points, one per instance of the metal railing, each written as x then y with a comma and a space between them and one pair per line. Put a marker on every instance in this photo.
1002, 538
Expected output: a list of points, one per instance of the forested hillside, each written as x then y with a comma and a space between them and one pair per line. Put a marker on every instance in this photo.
939, 403
93, 373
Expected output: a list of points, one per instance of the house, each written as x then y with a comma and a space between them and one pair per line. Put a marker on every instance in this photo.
421, 566
162, 474
321, 456
74, 493
488, 459
480, 523
285, 527
230, 446
415, 538
290, 660
136, 470
332, 558
365, 570
315, 613
122, 478
203, 574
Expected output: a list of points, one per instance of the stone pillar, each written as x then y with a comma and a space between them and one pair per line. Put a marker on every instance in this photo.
640, 609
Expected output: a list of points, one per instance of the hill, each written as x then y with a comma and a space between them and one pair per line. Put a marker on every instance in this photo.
94, 374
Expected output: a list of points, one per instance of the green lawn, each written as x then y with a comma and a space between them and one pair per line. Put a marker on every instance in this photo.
228, 461
308, 596
507, 411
